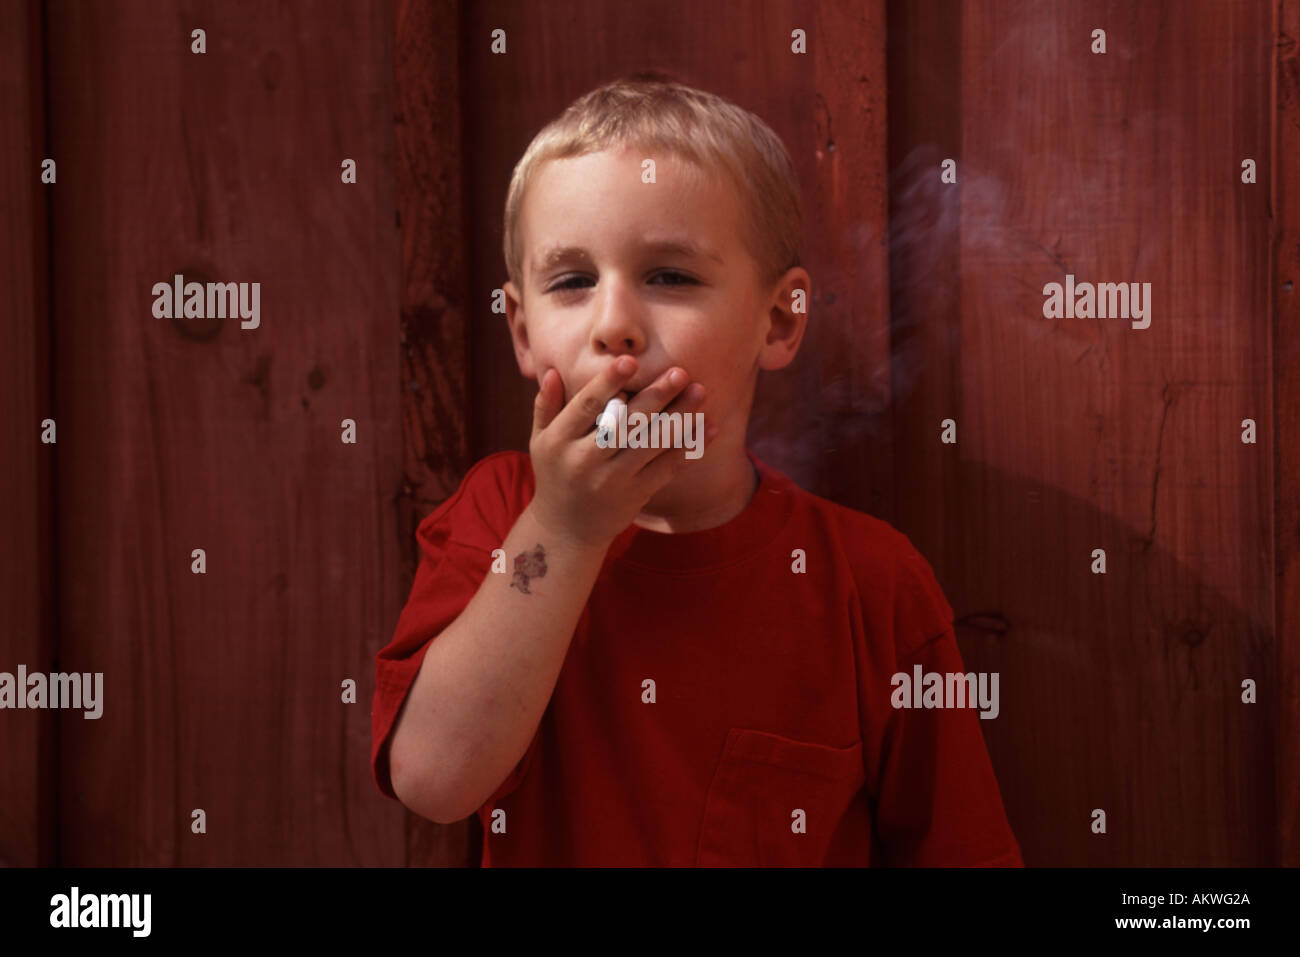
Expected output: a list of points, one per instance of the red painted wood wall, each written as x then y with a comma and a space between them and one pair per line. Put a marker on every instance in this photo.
222, 691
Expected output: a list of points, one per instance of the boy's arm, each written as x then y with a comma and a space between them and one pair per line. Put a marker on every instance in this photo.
485, 681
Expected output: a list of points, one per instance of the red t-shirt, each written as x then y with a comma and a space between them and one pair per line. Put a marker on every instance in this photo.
772, 739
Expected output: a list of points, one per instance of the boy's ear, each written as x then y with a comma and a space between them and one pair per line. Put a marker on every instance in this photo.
786, 326
519, 331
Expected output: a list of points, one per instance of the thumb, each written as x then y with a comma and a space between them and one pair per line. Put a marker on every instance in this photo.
545, 406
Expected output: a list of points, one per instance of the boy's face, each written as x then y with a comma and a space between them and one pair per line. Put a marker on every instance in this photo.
601, 279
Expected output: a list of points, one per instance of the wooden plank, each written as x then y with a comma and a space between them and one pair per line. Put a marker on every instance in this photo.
222, 691
1122, 691
925, 128
1285, 177
434, 333
28, 799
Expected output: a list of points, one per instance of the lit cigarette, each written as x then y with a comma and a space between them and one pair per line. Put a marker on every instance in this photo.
607, 422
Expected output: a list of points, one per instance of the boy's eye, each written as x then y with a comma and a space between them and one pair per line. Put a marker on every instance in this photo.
679, 280
567, 283
685, 279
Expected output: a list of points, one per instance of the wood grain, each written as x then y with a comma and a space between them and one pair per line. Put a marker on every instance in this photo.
223, 691
1123, 691
1285, 181
28, 743
435, 319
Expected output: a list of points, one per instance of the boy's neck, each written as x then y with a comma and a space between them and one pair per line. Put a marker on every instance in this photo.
709, 492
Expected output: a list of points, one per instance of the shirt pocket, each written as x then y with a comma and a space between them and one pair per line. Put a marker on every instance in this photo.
759, 783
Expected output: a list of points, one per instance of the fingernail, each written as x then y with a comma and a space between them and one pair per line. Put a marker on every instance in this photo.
676, 377
624, 365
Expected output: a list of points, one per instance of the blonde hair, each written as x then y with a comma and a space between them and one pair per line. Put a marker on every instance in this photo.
655, 112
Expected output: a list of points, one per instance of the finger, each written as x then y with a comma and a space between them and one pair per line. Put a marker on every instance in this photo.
579, 417
660, 392
661, 470
547, 404
686, 410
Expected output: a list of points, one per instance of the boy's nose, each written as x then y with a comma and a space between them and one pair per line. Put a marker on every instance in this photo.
617, 347
617, 331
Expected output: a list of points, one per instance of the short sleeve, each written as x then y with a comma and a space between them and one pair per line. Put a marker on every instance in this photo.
938, 803
937, 800
456, 543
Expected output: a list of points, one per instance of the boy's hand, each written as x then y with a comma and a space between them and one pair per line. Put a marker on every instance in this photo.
589, 494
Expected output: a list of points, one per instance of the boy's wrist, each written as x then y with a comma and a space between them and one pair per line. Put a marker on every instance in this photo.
559, 537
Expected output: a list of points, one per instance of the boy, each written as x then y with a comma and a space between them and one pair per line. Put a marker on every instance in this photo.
632, 656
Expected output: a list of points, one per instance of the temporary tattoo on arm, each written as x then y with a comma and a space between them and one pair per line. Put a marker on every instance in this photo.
529, 565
